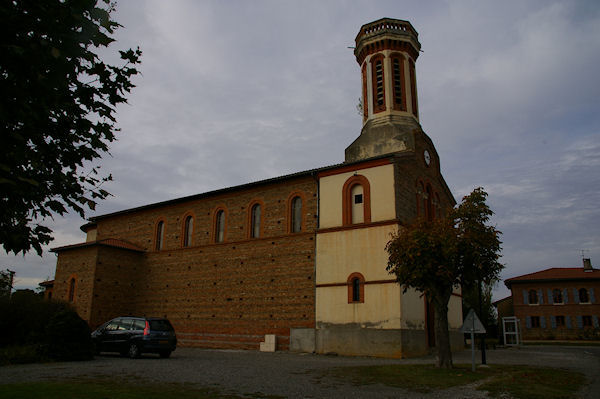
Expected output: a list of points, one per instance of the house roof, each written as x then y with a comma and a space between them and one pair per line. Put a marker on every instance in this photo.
556, 273
109, 242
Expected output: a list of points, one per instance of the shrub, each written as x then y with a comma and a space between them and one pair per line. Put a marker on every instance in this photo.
67, 337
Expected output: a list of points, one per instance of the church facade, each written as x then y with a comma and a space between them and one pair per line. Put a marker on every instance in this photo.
300, 256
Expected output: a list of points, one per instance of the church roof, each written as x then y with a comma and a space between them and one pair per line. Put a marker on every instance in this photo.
556, 273
108, 242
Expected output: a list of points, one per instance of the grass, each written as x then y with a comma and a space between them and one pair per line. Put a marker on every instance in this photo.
99, 388
518, 381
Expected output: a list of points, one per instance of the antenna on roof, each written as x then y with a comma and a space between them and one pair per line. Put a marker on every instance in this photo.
583, 251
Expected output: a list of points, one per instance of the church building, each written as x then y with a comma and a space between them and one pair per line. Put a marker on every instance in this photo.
300, 256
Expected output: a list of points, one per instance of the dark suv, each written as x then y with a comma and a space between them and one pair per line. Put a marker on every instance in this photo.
133, 336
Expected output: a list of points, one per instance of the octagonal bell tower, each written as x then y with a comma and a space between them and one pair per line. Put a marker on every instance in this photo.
386, 51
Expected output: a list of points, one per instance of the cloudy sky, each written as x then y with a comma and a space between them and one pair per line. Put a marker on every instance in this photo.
238, 91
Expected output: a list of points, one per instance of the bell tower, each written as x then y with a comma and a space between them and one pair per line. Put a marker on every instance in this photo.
386, 51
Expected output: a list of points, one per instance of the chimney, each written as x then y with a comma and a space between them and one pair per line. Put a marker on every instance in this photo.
587, 265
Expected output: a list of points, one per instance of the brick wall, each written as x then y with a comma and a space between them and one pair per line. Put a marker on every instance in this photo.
226, 294
545, 310
410, 169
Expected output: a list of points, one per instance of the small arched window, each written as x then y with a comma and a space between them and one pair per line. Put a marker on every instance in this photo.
255, 221
71, 295
188, 229
533, 297
296, 215
220, 226
583, 295
356, 288
160, 235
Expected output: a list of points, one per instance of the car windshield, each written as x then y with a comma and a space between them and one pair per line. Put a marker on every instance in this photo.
160, 325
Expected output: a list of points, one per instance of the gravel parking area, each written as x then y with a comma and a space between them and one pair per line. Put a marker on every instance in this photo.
294, 375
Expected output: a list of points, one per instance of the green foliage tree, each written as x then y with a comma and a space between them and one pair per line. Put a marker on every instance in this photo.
4, 284
436, 256
57, 112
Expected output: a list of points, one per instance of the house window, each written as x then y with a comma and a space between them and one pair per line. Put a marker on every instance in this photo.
378, 84
587, 321
535, 321
188, 229
533, 298
296, 215
160, 235
255, 221
583, 296
356, 288
560, 321
220, 226
557, 296
398, 82
356, 206
71, 295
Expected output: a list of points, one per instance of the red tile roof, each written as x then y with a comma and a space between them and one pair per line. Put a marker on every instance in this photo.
108, 242
556, 273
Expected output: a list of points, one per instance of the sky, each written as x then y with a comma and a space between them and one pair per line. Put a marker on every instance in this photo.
238, 91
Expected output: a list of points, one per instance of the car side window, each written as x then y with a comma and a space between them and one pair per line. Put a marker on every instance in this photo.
112, 326
126, 324
139, 324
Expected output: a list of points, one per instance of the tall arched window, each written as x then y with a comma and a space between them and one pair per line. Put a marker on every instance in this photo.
255, 221
356, 288
583, 295
399, 102
356, 206
219, 233
365, 103
413, 87
188, 229
296, 215
378, 80
160, 235
71, 295
429, 211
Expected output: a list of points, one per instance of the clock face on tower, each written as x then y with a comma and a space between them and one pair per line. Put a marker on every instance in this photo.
427, 157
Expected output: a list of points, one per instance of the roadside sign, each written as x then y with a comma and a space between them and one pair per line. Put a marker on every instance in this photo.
472, 324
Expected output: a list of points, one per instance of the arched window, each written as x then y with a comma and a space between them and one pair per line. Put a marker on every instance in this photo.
378, 80
356, 206
398, 82
160, 235
583, 295
71, 295
188, 230
557, 296
533, 297
219, 232
413, 87
365, 103
255, 221
356, 288
296, 215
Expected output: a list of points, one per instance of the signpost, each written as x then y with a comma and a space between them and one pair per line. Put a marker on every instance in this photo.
472, 325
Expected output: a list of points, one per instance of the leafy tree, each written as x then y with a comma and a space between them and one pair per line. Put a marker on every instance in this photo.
56, 112
5, 285
435, 256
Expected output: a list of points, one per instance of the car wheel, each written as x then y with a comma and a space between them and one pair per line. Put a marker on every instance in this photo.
165, 354
134, 351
